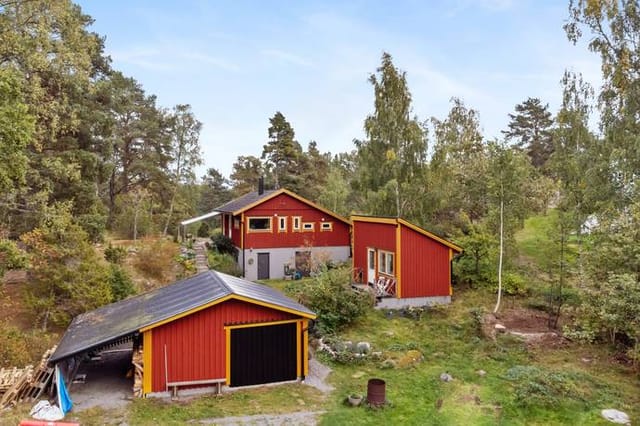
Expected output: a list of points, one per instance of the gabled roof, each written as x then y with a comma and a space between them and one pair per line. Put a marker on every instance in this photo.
400, 221
240, 204
253, 199
111, 322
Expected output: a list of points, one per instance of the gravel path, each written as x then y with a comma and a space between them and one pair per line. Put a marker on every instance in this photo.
318, 373
308, 418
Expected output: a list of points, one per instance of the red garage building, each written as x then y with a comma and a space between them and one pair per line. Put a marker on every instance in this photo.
405, 264
209, 329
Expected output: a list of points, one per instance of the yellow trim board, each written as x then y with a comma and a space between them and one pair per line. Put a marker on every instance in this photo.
297, 197
272, 306
259, 324
147, 362
385, 220
430, 235
305, 347
242, 233
223, 299
185, 313
298, 348
227, 361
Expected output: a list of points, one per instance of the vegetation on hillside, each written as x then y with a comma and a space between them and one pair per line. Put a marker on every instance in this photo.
86, 152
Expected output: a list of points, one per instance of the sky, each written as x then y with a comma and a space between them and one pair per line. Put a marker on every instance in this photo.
238, 62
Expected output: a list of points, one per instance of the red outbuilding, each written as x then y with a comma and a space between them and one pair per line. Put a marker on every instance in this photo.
405, 264
208, 330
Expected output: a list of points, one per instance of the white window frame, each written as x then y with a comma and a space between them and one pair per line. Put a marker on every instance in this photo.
326, 226
308, 226
297, 223
268, 230
386, 261
282, 224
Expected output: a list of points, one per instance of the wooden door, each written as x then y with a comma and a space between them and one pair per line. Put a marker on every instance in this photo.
371, 265
263, 354
263, 266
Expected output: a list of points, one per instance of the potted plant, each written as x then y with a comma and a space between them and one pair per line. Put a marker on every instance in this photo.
355, 399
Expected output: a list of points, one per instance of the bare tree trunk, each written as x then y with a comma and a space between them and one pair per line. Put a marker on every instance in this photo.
166, 224
501, 248
398, 212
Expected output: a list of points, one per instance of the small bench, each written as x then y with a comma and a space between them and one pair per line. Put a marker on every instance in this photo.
218, 382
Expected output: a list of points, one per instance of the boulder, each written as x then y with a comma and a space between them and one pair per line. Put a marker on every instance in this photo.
446, 377
363, 348
616, 416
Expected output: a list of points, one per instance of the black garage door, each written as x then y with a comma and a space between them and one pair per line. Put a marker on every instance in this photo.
263, 354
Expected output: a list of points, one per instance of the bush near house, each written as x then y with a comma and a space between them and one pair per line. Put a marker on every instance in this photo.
330, 296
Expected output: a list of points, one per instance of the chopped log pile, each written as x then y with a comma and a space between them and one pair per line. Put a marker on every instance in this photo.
25, 384
137, 373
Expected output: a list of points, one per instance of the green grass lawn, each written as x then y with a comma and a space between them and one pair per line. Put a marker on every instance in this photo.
562, 390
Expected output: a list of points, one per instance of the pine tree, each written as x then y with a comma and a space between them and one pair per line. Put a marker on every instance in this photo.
283, 154
530, 129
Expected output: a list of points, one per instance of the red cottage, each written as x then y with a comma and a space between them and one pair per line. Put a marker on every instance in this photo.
405, 264
277, 232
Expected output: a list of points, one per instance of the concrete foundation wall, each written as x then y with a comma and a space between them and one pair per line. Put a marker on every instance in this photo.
278, 257
394, 303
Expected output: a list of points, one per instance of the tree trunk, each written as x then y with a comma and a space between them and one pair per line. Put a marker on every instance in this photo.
166, 224
501, 248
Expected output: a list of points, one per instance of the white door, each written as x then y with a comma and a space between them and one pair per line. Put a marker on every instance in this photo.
371, 265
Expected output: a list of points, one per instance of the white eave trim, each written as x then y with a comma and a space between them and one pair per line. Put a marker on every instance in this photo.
199, 218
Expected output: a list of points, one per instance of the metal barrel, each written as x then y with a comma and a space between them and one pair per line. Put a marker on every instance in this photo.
376, 392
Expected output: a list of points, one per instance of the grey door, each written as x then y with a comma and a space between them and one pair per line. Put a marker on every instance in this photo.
263, 266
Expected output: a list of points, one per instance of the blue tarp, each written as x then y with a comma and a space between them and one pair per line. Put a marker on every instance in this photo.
64, 401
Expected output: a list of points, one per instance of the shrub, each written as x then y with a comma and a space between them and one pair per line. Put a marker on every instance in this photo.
156, 259
535, 386
94, 225
121, 283
204, 230
330, 295
513, 284
223, 244
115, 255
20, 348
225, 263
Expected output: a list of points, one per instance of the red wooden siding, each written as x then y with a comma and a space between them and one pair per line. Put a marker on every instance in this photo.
381, 236
284, 205
236, 234
196, 344
425, 265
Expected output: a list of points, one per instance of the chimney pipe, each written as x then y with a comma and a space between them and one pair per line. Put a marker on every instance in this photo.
261, 185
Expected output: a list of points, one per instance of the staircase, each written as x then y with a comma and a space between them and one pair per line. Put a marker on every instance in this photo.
199, 246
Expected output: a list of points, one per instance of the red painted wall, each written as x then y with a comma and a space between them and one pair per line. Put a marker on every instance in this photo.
380, 236
284, 205
425, 265
196, 344
236, 234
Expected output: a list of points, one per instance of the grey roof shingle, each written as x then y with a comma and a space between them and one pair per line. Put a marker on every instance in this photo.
244, 201
111, 322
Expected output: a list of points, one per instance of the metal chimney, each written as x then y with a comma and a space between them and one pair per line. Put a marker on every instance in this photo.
261, 185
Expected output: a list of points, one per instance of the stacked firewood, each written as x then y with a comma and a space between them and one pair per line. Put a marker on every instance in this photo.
137, 373
25, 384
